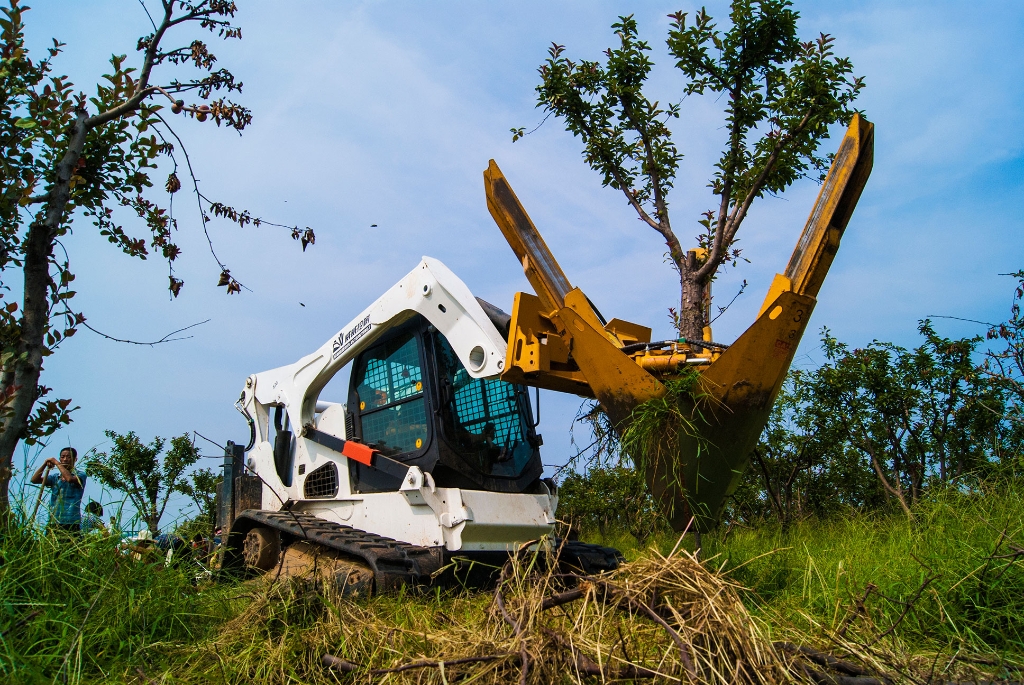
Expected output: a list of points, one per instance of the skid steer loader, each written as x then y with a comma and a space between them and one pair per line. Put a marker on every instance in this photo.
433, 452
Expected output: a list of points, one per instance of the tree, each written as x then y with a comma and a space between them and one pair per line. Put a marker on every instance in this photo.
781, 96
784, 455
64, 154
202, 490
136, 470
800, 468
609, 499
883, 424
918, 416
1005, 366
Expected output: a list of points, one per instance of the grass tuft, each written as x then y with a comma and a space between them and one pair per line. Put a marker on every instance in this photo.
76, 609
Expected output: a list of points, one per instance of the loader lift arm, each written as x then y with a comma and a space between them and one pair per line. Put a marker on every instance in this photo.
433, 291
558, 341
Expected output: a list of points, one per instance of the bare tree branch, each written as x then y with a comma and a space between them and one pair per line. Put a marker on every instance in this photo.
166, 339
739, 211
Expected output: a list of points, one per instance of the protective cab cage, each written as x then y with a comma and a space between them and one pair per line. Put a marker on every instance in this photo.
411, 399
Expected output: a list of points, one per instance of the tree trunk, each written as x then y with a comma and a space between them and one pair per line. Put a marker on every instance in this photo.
23, 372
896, 492
692, 306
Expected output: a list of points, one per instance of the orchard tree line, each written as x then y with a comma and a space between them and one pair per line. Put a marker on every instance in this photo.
871, 429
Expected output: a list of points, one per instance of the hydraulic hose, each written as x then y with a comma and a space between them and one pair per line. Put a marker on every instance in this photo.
636, 347
248, 419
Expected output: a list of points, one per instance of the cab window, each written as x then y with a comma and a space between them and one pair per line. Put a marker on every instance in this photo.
389, 389
484, 418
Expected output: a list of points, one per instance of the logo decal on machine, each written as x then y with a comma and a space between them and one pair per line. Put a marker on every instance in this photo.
347, 339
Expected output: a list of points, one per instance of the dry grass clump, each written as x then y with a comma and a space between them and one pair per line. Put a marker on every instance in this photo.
660, 619
664, 618
717, 640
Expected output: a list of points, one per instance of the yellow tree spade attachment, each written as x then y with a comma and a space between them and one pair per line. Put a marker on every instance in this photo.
558, 341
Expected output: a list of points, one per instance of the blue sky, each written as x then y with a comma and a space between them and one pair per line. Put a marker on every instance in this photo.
387, 112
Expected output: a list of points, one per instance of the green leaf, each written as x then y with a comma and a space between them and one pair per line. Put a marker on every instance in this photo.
26, 122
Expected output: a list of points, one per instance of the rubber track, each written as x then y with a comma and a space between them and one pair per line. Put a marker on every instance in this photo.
393, 563
588, 558
396, 563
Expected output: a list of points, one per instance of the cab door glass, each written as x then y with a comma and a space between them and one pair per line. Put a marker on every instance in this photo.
389, 389
485, 418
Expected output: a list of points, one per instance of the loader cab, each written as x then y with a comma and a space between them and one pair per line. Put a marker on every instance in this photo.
412, 399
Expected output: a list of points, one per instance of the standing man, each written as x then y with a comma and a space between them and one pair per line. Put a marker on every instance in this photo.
67, 487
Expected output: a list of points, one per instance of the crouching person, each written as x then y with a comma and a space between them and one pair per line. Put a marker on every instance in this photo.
92, 521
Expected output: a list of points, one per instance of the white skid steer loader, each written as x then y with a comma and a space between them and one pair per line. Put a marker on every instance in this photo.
431, 456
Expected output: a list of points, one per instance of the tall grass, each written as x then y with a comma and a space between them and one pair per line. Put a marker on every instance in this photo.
960, 559
948, 587
78, 609
285, 628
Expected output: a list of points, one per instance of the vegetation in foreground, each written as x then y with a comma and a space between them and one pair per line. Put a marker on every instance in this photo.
951, 580
935, 598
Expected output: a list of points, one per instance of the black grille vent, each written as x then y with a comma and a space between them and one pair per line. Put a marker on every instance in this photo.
350, 426
322, 483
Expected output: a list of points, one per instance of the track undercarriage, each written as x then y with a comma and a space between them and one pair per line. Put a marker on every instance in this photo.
358, 562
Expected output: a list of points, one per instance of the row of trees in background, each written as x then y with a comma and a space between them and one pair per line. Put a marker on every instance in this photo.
871, 429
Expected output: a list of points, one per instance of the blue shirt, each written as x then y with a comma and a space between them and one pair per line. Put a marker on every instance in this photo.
66, 498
